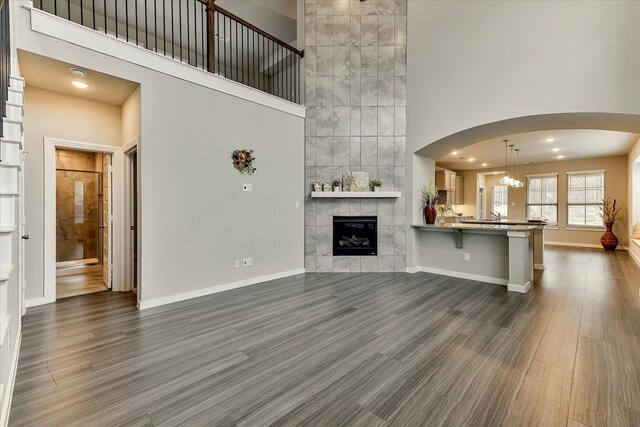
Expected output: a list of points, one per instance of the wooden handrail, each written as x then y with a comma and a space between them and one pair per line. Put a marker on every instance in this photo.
254, 28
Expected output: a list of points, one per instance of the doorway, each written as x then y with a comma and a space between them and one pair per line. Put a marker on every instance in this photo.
133, 208
83, 222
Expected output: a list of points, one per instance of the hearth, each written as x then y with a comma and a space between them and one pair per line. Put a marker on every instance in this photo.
355, 235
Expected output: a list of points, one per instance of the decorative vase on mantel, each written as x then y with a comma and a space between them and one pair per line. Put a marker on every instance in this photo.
609, 240
430, 214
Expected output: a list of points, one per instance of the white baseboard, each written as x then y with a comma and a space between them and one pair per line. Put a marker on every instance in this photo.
11, 381
39, 301
538, 266
635, 258
459, 275
523, 289
582, 245
412, 270
215, 289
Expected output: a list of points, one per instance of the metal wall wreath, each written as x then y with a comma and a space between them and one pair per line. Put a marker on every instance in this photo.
243, 160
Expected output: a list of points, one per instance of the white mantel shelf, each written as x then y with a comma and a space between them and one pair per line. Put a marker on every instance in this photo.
355, 194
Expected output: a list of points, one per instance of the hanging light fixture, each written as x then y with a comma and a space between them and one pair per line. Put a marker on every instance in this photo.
505, 179
518, 183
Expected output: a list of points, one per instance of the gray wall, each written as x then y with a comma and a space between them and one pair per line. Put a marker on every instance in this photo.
356, 66
196, 220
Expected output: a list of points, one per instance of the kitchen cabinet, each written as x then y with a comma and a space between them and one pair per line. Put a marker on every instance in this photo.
459, 190
445, 180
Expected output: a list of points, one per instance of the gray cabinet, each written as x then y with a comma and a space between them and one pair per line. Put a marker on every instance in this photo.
459, 190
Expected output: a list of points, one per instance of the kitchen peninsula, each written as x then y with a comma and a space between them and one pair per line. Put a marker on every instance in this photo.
494, 252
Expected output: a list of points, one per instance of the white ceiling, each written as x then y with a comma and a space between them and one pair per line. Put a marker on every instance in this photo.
571, 143
46, 73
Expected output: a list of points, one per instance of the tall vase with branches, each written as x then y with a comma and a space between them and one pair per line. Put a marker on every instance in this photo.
429, 198
609, 212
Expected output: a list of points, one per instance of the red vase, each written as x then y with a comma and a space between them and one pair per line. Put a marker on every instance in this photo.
430, 214
609, 240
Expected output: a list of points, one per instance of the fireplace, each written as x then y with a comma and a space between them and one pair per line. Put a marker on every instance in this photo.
355, 235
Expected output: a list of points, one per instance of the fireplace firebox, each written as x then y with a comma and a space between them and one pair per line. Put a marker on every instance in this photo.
355, 235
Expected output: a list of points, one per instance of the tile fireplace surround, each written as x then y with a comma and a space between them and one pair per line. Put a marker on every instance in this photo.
356, 63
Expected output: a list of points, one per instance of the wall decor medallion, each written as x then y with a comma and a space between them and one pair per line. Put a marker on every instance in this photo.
243, 160
317, 186
360, 181
326, 186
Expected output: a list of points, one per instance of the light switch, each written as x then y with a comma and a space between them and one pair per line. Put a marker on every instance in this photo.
513, 203
247, 187
297, 204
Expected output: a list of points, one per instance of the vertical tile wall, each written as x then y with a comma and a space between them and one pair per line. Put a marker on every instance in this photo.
356, 84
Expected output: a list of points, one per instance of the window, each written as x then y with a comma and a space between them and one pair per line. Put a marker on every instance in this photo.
585, 194
500, 200
542, 197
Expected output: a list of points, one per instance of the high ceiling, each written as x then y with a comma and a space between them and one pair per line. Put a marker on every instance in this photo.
541, 146
46, 73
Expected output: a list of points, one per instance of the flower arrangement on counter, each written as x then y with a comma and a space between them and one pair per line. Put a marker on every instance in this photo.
376, 184
243, 160
429, 195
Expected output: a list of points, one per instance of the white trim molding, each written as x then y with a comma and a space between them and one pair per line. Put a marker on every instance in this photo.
541, 175
523, 289
11, 381
459, 275
50, 145
584, 172
582, 245
79, 35
143, 305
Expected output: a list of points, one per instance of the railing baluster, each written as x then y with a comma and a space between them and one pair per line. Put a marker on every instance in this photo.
164, 29
81, 13
136, 4
155, 25
173, 43
69, 10
188, 38
93, 3
126, 20
146, 23
180, 28
115, 6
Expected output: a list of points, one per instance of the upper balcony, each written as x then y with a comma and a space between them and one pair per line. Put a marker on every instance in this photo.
198, 33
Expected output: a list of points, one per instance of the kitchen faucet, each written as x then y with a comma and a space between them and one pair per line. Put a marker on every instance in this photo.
497, 216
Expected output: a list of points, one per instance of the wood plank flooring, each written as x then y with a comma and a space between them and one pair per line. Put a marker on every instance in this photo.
346, 349
87, 282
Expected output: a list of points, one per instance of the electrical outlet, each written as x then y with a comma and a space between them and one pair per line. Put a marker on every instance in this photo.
247, 187
467, 257
236, 263
246, 262
297, 204
513, 203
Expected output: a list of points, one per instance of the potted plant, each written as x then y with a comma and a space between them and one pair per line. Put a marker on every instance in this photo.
429, 198
347, 181
609, 213
336, 185
376, 184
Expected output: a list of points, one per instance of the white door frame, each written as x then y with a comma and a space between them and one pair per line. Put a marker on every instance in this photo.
50, 146
130, 147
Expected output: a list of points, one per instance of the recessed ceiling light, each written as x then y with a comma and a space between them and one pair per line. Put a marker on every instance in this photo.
78, 72
472, 159
454, 153
79, 85
484, 164
560, 157
555, 150
549, 140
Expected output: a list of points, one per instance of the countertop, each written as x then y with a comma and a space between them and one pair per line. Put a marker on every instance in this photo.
476, 227
504, 222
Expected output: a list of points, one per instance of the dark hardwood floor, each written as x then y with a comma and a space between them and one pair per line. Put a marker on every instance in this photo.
340, 349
